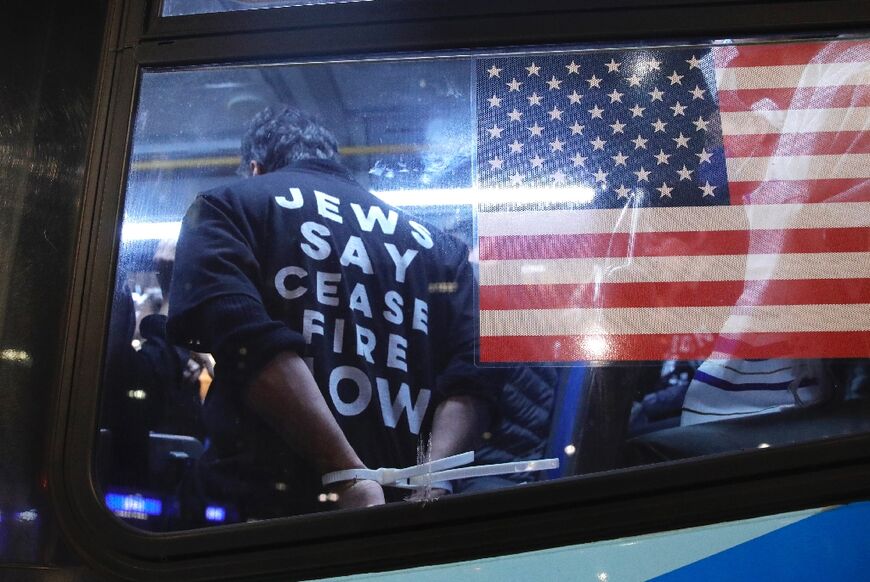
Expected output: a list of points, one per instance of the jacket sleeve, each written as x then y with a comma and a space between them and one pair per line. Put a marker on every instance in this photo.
215, 302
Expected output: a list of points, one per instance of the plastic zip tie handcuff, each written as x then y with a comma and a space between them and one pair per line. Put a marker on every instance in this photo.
447, 469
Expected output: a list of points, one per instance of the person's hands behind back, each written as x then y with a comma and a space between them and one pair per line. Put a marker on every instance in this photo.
358, 494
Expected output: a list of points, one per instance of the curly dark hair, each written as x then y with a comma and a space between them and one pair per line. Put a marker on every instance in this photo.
278, 136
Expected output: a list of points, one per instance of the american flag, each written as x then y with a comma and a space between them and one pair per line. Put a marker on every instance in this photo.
676, 203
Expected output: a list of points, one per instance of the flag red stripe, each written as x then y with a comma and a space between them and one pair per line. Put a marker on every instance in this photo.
676, 294
800, 191
794, 98
667, 346
766, 55
797, 144
667, 244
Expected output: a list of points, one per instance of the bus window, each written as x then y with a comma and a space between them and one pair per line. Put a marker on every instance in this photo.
567, 261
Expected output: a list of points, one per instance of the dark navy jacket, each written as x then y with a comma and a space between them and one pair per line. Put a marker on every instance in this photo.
305, 259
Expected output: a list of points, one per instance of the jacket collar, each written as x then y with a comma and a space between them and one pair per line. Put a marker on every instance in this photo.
317, 165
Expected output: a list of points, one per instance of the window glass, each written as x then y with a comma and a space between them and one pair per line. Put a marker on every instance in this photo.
578, 260
184, 7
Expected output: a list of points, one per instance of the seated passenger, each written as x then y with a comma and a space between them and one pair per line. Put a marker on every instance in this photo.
722, 389
662, 406
525, 418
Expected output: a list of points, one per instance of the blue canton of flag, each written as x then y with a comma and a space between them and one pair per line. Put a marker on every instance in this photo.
636, 127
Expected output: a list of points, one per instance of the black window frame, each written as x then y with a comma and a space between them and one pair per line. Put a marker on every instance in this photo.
569, 511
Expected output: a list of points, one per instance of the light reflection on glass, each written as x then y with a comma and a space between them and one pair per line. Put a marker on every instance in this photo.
597, 346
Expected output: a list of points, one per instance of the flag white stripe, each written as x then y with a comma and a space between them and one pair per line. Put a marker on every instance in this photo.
765, 121
680, 219
676, 320
787, 266
785, 76
798, 167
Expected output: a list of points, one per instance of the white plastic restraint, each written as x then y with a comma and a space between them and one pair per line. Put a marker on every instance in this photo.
446, 469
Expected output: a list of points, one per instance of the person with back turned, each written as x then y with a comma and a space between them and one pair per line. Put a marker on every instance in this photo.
344, 329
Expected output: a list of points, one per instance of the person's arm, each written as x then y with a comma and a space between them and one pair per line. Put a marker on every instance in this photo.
457, 427
285, 395
216, 306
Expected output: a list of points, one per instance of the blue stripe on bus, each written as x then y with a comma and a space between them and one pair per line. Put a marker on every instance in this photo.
830, 545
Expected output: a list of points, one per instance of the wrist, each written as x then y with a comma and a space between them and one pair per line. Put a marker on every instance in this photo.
341, 460
349, 476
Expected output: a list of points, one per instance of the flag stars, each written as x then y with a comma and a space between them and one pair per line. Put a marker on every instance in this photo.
594, 81
678, 109
556, 145
534, 99
700, 124
516, 147
495, 132
533, 69
637, 111
494, 101
613, 66
555, 114
664, 191
619, 159
600, 175
618, 127
577, 128
682, 141
694, 63
707, 189
535, 130
633, 81
656, 94
574, 98
516, 178
596, 112
494, 71
598, 143
496, 163
554, 84
698, 93
659, 125
639, 143
642, 175
573, 68
675, 79
704, 156
537, 161
515, 115
578, 161
615, 96
654, 65
622, 191
514, 85
661, 157
684, 173
559, 177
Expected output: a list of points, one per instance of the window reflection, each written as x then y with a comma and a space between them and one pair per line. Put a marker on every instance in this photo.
185, 7
634, 298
